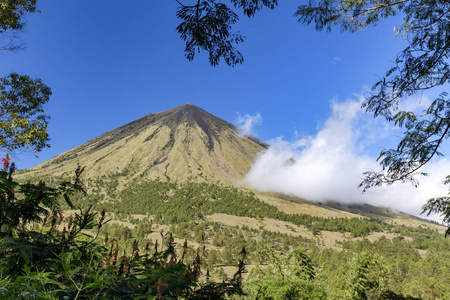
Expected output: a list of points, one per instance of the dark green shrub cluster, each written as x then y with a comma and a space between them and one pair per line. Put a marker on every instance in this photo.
173, 203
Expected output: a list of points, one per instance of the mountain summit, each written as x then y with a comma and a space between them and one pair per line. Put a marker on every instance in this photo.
181, 143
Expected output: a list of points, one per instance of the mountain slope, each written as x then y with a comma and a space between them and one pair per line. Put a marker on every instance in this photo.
181, 143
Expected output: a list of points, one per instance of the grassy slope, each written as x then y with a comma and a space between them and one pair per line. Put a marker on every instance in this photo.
159, 151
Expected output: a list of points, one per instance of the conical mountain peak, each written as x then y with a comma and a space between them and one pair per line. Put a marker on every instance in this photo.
188, 111
180, 143
194, 115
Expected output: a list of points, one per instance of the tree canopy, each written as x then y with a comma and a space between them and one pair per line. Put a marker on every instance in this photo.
23, 122
207, 24
11, 21
422, 66
22, 119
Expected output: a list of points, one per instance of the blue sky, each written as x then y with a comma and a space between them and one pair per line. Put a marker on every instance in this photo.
111, 62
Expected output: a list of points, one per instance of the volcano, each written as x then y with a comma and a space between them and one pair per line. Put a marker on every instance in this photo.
183, 143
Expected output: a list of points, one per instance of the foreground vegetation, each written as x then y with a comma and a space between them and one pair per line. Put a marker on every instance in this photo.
45, 255
154, 240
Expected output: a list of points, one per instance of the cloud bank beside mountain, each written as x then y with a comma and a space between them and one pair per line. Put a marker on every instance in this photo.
330, 165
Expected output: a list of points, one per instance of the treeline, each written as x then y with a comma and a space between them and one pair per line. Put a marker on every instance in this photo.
172, 203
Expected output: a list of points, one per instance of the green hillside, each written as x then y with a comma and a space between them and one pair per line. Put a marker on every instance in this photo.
166, 180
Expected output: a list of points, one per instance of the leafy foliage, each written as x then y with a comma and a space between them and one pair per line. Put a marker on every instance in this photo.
439, 205
350, 15
410, 266
421, 66
207, 26
286, 277
368, 273
11, 13
55, 257
22, 119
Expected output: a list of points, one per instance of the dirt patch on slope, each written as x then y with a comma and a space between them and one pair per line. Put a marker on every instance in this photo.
266, 223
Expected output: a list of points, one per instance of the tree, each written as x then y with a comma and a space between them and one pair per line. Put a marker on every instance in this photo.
22, 119
367, 276
421, 66
11, 21
207, 26
289, 276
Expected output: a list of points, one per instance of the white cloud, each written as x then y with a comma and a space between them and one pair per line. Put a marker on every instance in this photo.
330, 165
336, 60
246, 123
